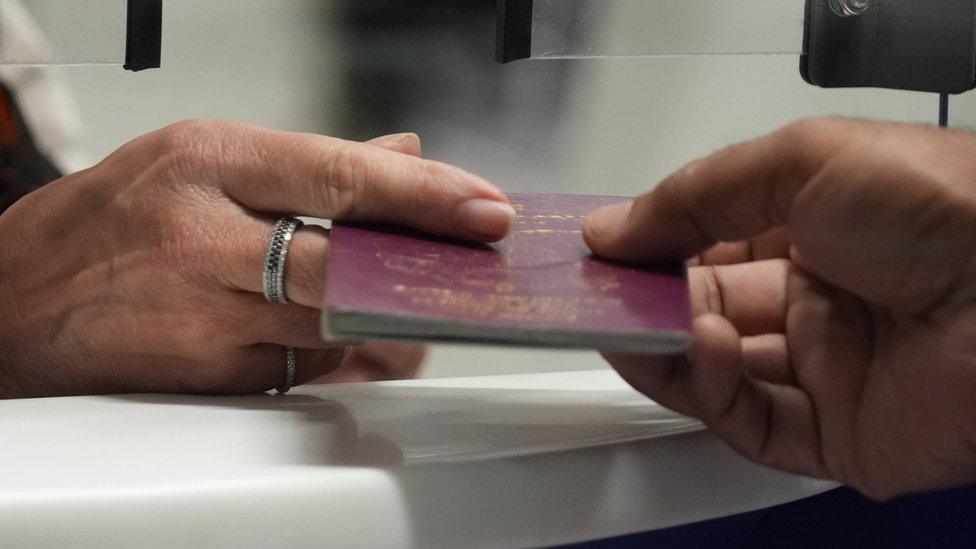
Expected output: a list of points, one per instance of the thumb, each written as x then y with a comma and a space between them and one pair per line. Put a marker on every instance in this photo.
731, 195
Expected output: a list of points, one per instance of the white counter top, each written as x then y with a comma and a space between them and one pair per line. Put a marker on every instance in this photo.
508, 460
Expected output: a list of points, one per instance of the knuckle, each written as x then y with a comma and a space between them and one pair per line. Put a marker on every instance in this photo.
596, 235
866, 477
644, 205
186, 134
809, 133
166, 199
690, 201
876, 491
149, 203
686, 174
328, 361
171, 220
429, 186
813, 125
343, 177
142, 203
710, 288
181, 151
193, 148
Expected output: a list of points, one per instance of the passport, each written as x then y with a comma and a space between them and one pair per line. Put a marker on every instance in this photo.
539, 287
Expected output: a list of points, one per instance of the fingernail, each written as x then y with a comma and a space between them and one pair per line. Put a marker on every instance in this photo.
391, 139
401, 137
489, 219
608, 220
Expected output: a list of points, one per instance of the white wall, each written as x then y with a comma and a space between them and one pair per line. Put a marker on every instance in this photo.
642, 118
263, 61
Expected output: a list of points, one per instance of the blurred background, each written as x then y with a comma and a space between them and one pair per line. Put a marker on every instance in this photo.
359, 69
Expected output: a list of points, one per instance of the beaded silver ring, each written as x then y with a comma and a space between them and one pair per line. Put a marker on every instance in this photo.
290, 363
274, 259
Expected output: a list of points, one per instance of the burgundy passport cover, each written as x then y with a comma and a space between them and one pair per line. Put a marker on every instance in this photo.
540, 286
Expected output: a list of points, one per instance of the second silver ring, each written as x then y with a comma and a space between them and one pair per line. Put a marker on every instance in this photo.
275, 256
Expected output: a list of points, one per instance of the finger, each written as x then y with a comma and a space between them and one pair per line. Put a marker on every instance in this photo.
290, 325
752, 296
771, 424
404, 143
833, 334
659, 377
767, 358
242, 267
318, 176
775, 425
319, 363
772, 244
304, 267
309, 364
263, 367
734, 194
391, 359
764, 357
379, 361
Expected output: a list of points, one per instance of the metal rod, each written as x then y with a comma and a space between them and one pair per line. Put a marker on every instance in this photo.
944, 110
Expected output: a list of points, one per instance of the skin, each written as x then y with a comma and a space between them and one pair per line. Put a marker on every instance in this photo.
378, 361
143, 273
834, 294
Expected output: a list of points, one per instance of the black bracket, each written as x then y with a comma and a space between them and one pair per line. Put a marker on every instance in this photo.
918, 45
143, 35
513, 33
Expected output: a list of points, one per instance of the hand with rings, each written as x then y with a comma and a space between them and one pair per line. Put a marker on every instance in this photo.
176, 265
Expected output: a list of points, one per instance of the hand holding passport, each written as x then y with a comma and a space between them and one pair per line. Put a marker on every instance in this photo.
539, 287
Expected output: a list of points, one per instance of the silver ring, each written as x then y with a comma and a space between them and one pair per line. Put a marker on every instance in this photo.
290, 362
274, 259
